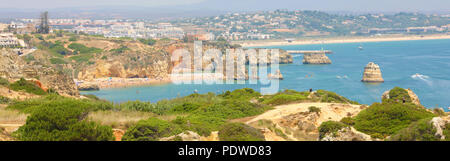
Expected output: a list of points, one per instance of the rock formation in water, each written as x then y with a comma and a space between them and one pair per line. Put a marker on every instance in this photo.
13, 67
372, 74
315, 58
277, 75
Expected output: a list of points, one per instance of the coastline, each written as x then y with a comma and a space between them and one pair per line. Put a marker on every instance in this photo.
115, 82
338, 40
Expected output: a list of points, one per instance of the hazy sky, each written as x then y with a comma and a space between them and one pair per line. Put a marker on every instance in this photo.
325, 5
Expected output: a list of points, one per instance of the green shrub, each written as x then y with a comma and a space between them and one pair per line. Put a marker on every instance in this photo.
421, 130
186, 107
5, 100
382, 120
314, 109
148, 41
82, 58
120, 50
280, 99
57, 61
27, 86
151, 130
62, 120
28, 106
330, 127
73, 38
348, 121
398, 94
4, 82
241, 94
327, 96
82, 49
239, 132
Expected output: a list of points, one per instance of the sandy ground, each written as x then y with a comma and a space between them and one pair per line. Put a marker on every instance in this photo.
329, 111
256, 43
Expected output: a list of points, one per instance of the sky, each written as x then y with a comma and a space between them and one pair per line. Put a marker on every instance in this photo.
242, 5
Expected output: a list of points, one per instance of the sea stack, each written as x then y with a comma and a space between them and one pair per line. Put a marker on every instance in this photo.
372, 74
316, 58
277, 75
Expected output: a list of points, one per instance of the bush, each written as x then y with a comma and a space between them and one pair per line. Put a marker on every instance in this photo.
148, 41
239, 132
327, 96
398, 94
5, 100
421, 130
4, 82
382, 120
27, 86
151, 130
62, 120
314, 109
280, 99
81, 49
28, 106
57, 61
330, 127
73, 38
348, 121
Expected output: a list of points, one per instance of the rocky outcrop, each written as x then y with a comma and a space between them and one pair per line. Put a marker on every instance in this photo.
412, 95
346, 134
185, 136
316, 58
88, 87
296, 122
439, 124
277, 75
372, 74
14, 67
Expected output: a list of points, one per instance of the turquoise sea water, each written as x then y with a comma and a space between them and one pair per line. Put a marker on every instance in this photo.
398, 60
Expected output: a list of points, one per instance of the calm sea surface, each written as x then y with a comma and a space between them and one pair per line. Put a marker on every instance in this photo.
399, 62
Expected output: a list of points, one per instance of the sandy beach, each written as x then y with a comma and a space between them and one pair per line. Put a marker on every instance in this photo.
115, 82
308, 41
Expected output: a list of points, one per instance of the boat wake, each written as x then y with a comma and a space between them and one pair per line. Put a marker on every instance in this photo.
342, 77
425, 78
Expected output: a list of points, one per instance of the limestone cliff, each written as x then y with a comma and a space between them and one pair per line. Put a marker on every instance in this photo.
315, 58
14, 67
372, 74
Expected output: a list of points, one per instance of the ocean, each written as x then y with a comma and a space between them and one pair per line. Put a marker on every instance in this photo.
421, 65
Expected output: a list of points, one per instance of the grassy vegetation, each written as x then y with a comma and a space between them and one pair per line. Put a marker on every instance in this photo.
82, 49
5, 100
239, 132
327, 96
421, 130
285, 97
4, 82
383, 119
30, 105
27, 86
120, 50
57, 61
56, 118
151, 130
148, 41
330, 127
398, 94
